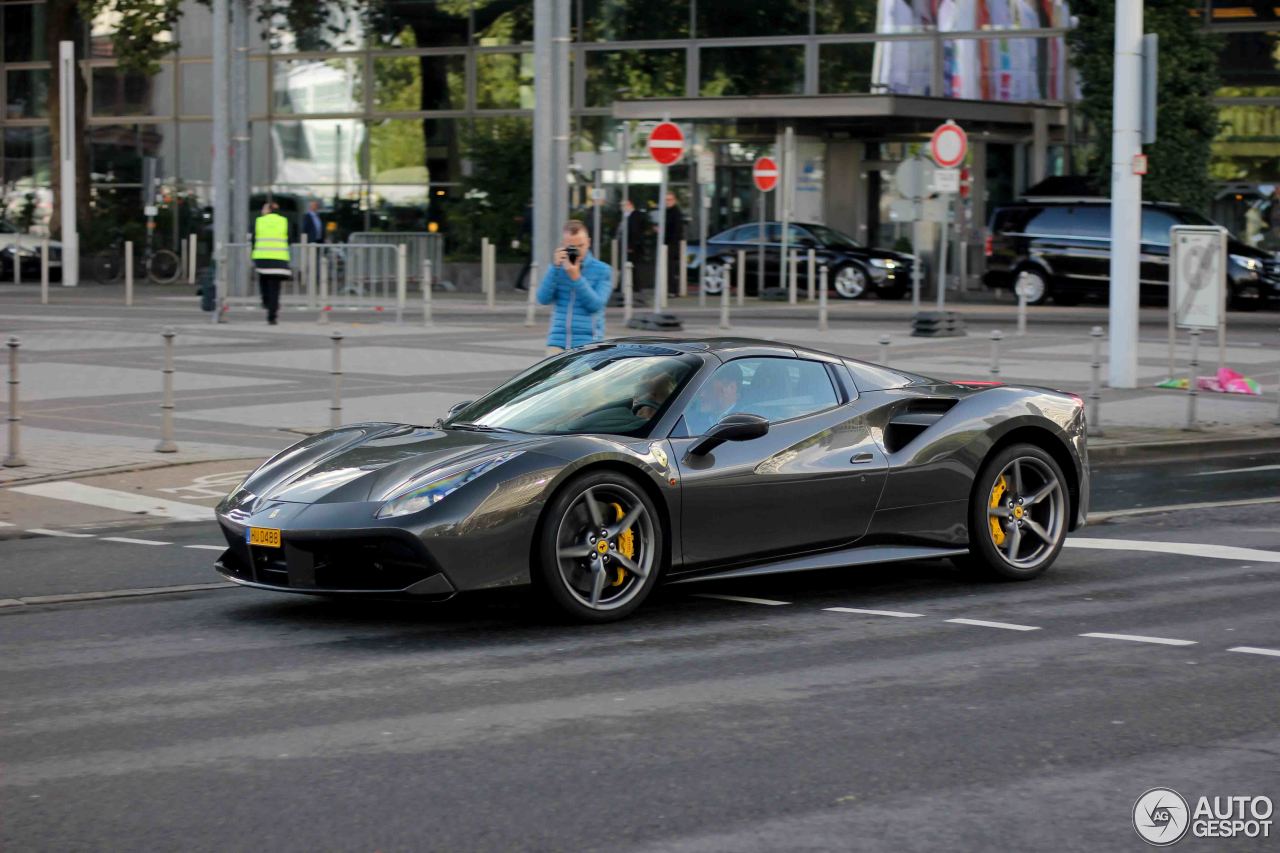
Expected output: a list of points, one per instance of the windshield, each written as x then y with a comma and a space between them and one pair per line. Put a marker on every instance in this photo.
615, 391
832, 238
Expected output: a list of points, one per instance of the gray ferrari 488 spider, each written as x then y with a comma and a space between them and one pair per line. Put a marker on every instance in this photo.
598, 473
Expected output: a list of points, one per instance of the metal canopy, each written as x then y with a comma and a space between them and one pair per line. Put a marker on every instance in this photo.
911, 111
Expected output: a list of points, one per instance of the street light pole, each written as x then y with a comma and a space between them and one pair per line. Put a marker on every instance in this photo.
221, 137
543, 130
67, 153
1126, 196
242, 189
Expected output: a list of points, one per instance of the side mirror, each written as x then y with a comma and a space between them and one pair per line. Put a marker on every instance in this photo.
737, 427
458, 407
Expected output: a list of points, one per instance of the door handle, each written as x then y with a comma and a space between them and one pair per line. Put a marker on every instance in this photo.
859, 458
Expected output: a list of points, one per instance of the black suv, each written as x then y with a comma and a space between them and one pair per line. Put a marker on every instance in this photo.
1062, 248
854, 269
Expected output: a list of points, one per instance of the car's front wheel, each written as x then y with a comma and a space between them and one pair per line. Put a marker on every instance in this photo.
600, 548
850, 282
1018, 514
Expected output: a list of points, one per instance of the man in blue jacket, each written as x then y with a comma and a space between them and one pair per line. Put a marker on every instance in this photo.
577, 286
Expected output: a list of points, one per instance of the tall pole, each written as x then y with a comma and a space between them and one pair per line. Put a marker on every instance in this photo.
221, 138
242, 189
67, 152
543, 131
660, 255
560, 186
1126, 196
625, 145
785, 197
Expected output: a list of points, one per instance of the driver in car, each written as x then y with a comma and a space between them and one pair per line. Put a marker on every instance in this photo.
715, 400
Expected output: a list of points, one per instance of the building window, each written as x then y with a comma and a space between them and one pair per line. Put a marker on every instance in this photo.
27, 92
131, 93
498, 22
739, 18
627, 20
24, 37
504, 81
318, 86
845, 16
642, 73
420, 23
752, 71
845, 68
415, 83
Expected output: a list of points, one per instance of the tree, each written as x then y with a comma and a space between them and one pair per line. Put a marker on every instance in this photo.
1187, 81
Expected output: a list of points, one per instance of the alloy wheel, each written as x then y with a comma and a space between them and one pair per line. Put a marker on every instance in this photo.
850, 282
1026, 512
605, 546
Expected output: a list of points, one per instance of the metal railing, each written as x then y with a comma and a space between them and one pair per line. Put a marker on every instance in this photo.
420, 246
326, 277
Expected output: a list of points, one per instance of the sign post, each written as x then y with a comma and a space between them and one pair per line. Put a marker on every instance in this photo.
666, 147
1197, 283
948, 146
765, 175
706, 185
913, 178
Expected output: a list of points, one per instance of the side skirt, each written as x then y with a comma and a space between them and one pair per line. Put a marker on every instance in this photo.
835, 559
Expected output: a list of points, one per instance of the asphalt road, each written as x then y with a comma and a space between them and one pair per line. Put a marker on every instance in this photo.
233, 719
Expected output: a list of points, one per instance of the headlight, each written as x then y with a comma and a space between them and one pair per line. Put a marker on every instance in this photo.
885, 263
437, 485
1251, 264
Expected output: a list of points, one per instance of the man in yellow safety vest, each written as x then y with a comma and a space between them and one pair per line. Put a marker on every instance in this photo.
271, 256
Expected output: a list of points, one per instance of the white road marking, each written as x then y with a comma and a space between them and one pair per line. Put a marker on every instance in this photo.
1151, 510
59, 533
128, 541
898, 613
5, 524
66, 490
1254, 650
1138, 638
207, 547
743, 599
984, 624
1236, 470
119, 593
1186, 549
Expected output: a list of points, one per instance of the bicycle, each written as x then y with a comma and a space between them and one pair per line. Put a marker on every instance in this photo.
160, 266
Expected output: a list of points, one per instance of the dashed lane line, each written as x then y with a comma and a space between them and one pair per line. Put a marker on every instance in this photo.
896, 613
63, 534
1187, 549
1237, 470
1254, 650
206, 547
71, 598
1155, 510
129, 541
1138, 638
982, 623
743, 599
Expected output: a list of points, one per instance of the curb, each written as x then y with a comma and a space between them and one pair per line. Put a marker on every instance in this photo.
1169, 450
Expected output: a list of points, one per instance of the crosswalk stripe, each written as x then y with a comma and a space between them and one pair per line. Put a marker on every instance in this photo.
67, 490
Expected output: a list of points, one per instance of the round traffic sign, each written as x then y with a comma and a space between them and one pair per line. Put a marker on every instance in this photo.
949, 145
765, 174
666, 143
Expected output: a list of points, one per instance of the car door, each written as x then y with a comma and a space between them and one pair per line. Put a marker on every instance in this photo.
813, 481
1153, 260
1090, 253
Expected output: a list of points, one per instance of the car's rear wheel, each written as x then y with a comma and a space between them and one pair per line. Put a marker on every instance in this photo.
1018, 514
850, 282
600, 548
1033, 284
716, 277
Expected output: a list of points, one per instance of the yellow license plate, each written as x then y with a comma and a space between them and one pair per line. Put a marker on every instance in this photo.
267, 537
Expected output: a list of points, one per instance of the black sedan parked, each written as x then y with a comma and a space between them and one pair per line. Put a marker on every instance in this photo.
854, 270
597, 473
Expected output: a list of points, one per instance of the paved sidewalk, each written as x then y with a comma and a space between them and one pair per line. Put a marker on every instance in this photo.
91, 371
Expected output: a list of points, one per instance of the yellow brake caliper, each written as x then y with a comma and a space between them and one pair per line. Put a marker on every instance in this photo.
626, 546
997, 492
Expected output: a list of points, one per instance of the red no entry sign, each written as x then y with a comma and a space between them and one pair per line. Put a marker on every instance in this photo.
949, 145
765, 174
666, 143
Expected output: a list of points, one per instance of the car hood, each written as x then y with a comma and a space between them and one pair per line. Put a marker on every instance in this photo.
368, 462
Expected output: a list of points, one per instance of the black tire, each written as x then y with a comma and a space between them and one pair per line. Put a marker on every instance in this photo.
850, 281
569, 583
988, 552
1041, 286
108, 266
163, 267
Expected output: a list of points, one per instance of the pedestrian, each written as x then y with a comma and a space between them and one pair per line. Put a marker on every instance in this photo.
312, 224
674, 234
632, 233
578, 286
271, 256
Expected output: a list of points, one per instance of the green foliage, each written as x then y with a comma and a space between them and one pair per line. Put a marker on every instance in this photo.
141, 30
495, 196
1188, 78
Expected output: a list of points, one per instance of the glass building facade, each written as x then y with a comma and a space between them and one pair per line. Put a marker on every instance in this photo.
401, 114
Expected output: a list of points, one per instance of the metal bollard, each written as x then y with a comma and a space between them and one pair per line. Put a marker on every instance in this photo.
13, 459
996, 336
323, 259
793, 276
1095, 383
192, 248
531, 300
822, 297
742, 277
44, 271
427, 318
884, 349
628, 292
335, 408
613, 259
128, 272
1192, 391
402, 280
491, 264
1022, 314
17, 258
813, 261
724, 295
684, 268
166, 443
660, 286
